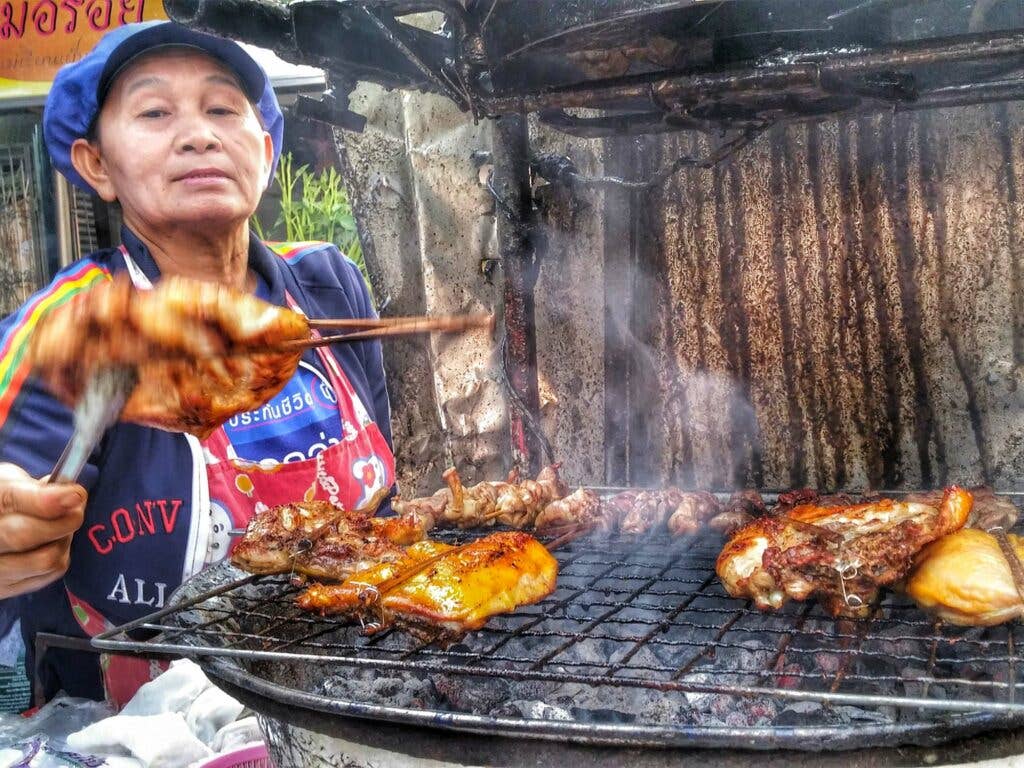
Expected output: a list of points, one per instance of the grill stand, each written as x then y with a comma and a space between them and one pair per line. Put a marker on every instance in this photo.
661, 623
307, 738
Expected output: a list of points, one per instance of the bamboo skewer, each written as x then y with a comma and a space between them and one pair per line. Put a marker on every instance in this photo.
387, 327
361, 323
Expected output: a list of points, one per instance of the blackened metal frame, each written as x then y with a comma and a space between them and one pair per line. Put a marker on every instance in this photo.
800, 85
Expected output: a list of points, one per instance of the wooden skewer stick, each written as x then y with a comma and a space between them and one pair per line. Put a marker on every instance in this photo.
412, 327
361, 323
566, 534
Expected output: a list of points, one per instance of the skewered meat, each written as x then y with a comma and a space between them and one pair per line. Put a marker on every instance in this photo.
965, 579
511, 503
651, 510
442, 592
841, 554
318, 539
580, 509
740, 510
616, 508
730, 521
195, 346
749, 501
693, 512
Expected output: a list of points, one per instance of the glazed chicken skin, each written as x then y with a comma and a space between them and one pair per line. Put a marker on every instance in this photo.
196, 347
840, 554
965, 579
514, 503
320, 540
440, 592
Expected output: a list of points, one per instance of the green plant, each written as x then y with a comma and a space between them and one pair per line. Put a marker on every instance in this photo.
314, 206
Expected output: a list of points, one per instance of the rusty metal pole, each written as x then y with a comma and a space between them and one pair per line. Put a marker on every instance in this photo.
513, 212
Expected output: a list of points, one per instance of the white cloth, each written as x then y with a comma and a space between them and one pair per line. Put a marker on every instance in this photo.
159, 741
173, 691
210, 712
236, 735
174, 721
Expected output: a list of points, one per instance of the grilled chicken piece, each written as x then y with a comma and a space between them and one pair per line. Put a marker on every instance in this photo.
989, 510
965, 579
320, 540
742, 508
730, 521
616, 508
651, 510
511, 503
195, 345
798, 496
691, 514
580, 509
840, 554
439, 591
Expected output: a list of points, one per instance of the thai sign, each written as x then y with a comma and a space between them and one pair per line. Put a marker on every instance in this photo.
38, 37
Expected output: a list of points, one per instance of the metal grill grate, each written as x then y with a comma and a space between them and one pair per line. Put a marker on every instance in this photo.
627, 614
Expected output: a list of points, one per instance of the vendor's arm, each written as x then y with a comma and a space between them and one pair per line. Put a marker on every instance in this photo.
36, 520
36, 524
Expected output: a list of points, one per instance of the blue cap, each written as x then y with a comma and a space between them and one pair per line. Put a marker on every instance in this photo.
80, 87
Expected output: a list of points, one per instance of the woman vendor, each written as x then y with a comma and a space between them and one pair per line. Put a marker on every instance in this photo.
183, 130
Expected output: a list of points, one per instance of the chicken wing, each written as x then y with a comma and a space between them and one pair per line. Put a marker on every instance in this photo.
196, 346
965, 579
841, 554
616, 508
441, 592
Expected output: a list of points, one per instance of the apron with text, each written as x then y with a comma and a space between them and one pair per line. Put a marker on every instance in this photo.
356, 472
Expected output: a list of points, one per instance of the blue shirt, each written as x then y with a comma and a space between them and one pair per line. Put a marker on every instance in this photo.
298, 423
140, 537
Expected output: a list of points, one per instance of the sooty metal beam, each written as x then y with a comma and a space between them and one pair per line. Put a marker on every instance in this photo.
810, 71
513, 205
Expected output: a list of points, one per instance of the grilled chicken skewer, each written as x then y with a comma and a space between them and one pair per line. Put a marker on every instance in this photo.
514, 503
202, 352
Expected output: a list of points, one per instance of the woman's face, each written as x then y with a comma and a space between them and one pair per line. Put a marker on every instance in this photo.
178, 144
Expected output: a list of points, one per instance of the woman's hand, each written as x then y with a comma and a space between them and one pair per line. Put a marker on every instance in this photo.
36, 525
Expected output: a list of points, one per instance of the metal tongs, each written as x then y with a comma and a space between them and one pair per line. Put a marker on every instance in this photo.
97, 409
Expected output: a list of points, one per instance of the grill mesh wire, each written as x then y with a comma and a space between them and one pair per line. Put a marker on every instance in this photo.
647, 613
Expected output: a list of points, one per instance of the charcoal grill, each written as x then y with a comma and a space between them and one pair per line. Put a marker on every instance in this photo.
638, 646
